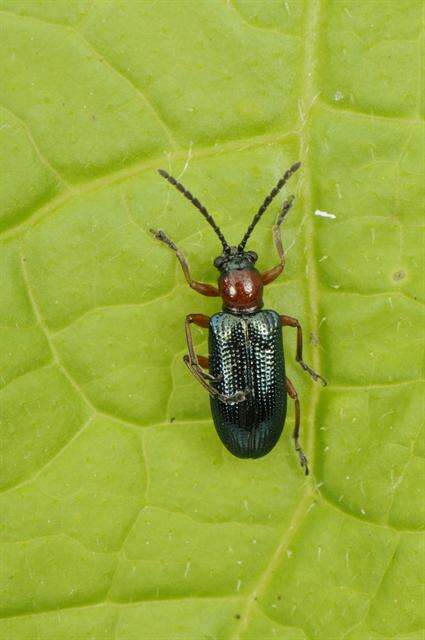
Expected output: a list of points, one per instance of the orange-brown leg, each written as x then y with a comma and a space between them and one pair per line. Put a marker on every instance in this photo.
201, 287
195, 366
193, 359
296, 433
287, 321
274, 272
204, 361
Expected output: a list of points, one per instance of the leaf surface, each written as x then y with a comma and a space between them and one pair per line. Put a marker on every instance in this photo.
123, 517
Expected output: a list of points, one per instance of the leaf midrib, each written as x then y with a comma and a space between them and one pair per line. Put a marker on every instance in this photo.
311, 31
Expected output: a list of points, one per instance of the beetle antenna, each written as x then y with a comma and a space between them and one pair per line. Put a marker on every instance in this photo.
208, 217
273, 193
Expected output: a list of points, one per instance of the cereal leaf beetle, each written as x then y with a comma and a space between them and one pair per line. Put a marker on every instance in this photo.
244, 373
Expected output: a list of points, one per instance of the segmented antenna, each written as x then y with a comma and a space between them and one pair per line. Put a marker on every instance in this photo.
273, 193
208, 217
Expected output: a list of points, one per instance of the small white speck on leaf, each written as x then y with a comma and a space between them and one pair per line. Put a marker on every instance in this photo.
338, 96
288, 553
238, 585
324, 214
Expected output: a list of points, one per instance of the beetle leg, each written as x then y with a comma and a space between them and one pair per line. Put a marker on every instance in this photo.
204, 362
271, 274
198, 362
201, 287
296, 434
196, 371
287, 321
195, 366
201, 321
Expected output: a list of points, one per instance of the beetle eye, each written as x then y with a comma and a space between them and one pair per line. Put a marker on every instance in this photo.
252, 256
218, 262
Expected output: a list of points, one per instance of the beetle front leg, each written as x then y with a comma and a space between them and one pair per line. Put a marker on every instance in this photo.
201, 287
296, 433
194, 365
287, 321
271, 274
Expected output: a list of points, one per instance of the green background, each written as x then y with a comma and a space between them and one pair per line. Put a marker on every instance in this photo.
122, 516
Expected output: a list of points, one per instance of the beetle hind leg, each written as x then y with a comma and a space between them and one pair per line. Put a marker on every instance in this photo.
296, 433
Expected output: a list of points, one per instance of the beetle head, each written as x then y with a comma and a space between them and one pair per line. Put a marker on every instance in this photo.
233, 259
240, 284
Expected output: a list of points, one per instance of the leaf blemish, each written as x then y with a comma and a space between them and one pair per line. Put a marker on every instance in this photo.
399, 275
324, 214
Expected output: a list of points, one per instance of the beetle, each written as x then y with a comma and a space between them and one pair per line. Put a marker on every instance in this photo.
244, 373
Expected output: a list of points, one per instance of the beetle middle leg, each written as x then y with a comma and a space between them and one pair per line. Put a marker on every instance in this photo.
296, 433
271, 274
196, 363
287, 321
203, 361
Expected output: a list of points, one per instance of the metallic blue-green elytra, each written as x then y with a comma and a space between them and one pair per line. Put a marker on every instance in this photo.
246, 352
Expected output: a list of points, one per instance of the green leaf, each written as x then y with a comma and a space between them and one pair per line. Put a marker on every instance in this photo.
122, 515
